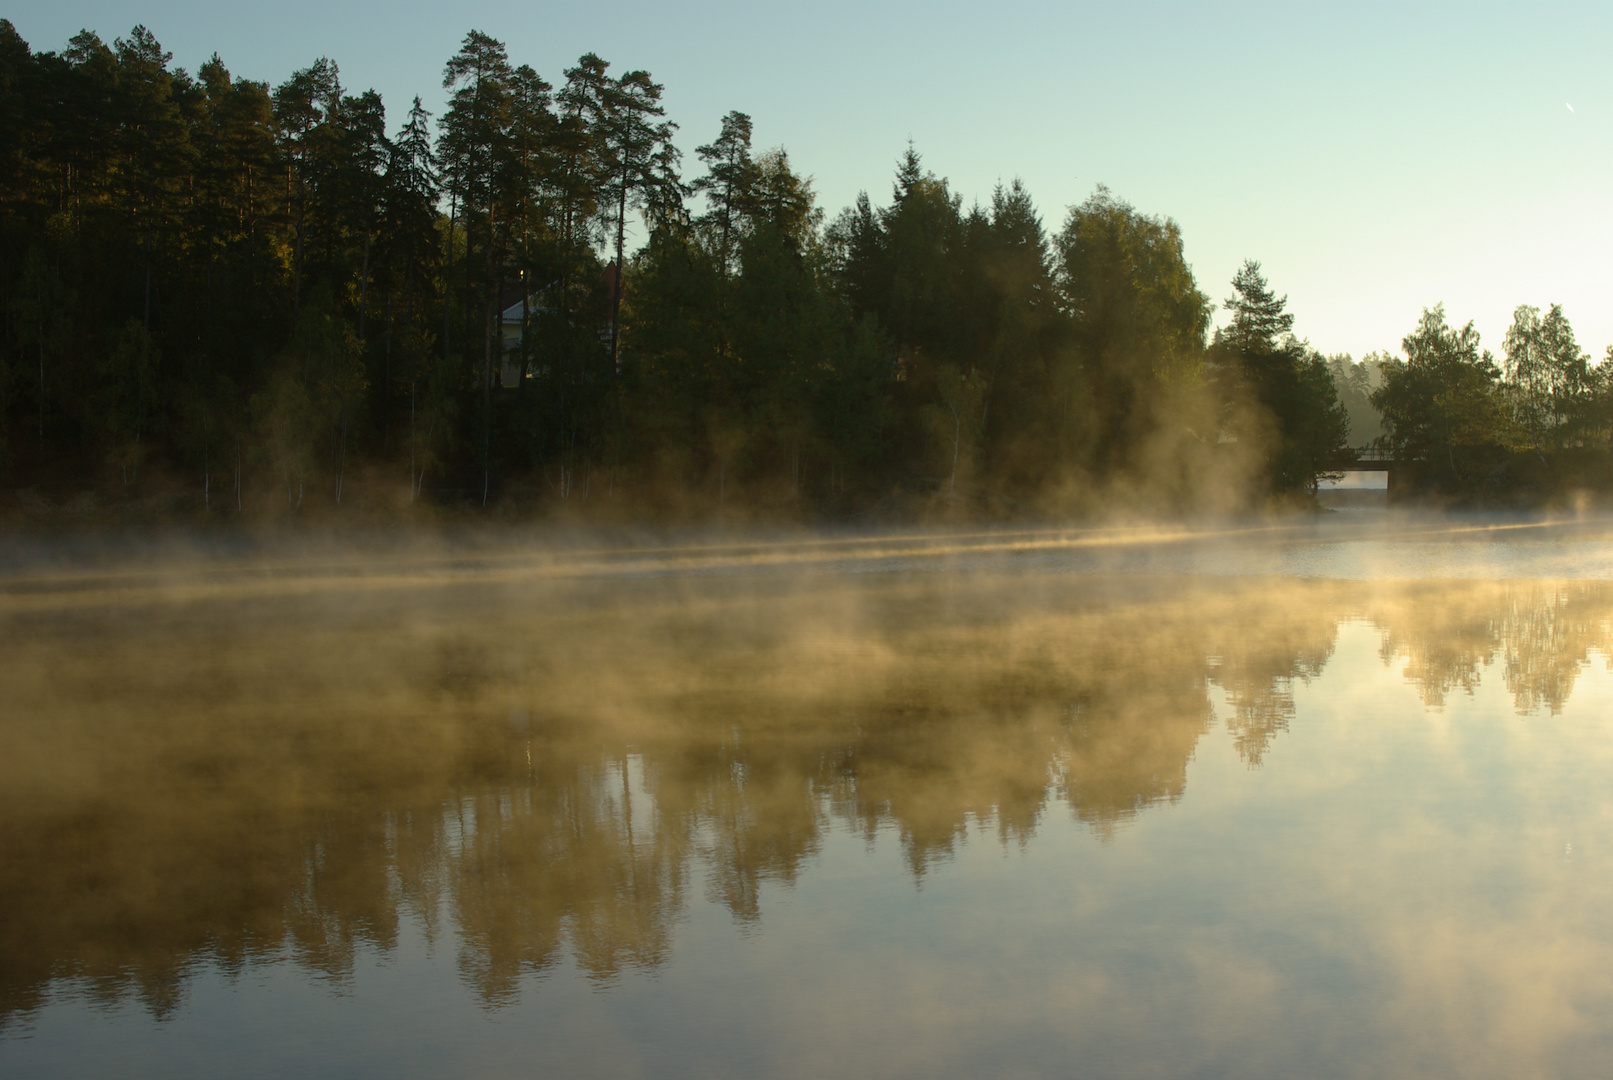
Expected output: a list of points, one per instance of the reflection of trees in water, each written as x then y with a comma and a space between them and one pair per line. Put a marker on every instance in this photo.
547, 788
565, 858
1547, 639
1259, 664
1445, 636
1543, 632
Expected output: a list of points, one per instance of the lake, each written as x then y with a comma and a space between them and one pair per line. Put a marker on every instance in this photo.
1273, 801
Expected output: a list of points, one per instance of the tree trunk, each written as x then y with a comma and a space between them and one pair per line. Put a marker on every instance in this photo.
386, 363
146, 318
447, 288
296, 271
488, 370
957, 433
408, 294
616, 280
565, 301
364, 288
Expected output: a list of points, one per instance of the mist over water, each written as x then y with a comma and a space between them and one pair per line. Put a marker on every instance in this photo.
1258, 801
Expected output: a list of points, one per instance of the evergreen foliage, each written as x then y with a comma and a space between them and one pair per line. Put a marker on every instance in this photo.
275, 299
1278, 390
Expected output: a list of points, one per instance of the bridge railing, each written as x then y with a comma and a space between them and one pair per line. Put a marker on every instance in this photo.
1362, 460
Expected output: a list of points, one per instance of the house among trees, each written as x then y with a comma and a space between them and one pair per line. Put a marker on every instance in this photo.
517, 315
517, 324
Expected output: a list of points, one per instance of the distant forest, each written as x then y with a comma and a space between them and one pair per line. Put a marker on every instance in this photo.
244, 298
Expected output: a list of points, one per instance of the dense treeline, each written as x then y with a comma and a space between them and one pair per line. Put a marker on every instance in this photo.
267, 297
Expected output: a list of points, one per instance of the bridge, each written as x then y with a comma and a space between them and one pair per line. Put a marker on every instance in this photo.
1363, 460
1358, 459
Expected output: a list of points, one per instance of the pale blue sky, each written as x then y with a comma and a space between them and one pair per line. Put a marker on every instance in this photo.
1376, 157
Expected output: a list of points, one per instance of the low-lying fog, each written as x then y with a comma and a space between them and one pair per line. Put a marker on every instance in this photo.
1273, 800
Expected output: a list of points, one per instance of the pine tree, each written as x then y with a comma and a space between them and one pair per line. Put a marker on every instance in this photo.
638, 167
730, 175
1279, 390
475, 133
303, 104
153, 146
364, 155
1259, 317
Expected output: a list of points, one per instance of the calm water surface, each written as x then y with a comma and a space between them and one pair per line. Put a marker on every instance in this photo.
1322, 801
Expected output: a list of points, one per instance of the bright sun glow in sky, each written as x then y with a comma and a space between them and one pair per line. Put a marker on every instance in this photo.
1376, 157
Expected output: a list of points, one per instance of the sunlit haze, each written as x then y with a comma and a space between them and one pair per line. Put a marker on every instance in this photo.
1320, 800
792, 541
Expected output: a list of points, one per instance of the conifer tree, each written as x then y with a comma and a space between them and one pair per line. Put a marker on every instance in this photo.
364, 155
475, 131
303, 105
1260, 320
730, 175
637, 164
1281, 393
409, 200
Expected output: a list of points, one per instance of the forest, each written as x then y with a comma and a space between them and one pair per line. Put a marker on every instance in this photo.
226, 297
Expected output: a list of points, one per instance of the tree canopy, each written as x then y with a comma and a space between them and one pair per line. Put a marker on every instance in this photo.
279, 298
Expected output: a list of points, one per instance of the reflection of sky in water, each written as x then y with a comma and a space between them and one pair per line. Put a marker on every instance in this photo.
1345, 553
906, 824
1358, 480
1371, 559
